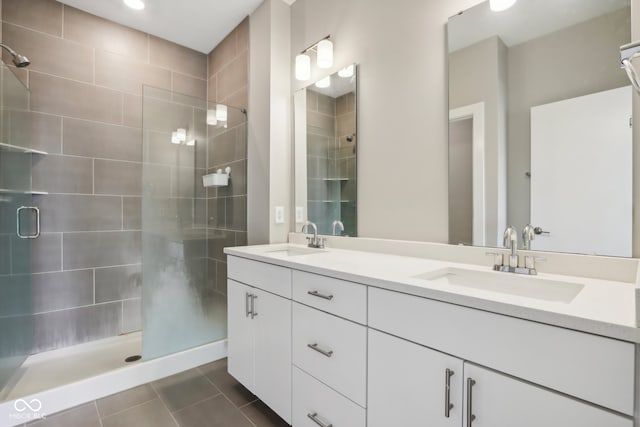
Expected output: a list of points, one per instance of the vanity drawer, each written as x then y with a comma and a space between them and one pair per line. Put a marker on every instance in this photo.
331, 349
597, 369
311, 397
269, 277
342, 298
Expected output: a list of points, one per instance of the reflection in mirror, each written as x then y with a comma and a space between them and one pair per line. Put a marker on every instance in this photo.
325, 154
540, 125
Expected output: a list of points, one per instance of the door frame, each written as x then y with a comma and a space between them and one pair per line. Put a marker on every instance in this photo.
476, 113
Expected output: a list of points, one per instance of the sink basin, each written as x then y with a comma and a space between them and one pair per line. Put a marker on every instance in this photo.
296, 251
506, 283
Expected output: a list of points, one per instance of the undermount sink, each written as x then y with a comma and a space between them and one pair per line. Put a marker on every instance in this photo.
506, 283
296, 251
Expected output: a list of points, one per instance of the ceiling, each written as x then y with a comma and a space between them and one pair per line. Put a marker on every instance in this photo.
526, 20
197, 24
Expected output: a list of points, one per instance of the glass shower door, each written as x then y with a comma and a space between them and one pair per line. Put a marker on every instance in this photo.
18, 228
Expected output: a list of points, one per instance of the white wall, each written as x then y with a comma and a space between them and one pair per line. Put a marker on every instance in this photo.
403, 111
270, 169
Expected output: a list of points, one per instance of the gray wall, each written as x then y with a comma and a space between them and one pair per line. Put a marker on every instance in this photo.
86, 82
461, 182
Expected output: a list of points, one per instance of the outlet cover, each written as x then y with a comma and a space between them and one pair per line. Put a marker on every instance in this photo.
279, 214
299, 214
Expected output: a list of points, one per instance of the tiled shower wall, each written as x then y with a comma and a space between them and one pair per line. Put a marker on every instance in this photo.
227, 206
86, 82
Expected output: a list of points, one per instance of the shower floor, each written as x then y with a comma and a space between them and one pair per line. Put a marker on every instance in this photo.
55, 368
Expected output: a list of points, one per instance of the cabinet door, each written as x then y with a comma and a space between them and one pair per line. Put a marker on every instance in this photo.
408, 384
496, 400
273, 352
240, 333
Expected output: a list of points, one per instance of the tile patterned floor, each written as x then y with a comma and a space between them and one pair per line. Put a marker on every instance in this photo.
202, 397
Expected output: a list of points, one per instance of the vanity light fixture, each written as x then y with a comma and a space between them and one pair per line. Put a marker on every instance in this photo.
179, 136
221, 113
212, 120
324, 83
134, 4
324, 58
346, 72
500, 5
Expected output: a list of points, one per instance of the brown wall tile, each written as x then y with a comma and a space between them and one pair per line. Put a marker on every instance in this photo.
189, 85
91, 30
63, 174
242, 31
224, 53
40, 15
118, 283
61, 212
69, 98
178, 58
239, 99
233, 77
132, 213
115, 177
101, 249
132, 111
49, 54
121, 73
33, 130
93, 139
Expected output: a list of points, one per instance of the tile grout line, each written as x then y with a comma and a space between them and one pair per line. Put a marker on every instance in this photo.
164, 404
95, 403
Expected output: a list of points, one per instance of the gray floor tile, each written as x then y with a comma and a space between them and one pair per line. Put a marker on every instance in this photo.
214, 412
80, 416
124, 400
150, 414
236, 392
184, 389
262, 416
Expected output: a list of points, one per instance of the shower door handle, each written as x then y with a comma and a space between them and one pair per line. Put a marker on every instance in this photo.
19, 222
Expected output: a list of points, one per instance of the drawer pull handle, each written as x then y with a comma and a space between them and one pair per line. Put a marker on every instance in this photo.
315, 347
247, 310
253, 305
448, 406
315, 419
319, 295
470, 417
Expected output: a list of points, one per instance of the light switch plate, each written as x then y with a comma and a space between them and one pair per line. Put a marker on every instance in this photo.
279, 214
299, 214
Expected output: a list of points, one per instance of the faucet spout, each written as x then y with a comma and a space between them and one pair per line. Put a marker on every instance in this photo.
511, 242
336, 224
315, 241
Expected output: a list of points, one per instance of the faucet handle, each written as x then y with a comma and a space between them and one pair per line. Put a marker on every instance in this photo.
498, 259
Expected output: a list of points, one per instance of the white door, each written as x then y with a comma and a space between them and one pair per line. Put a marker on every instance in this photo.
273, 352
240, 333
501, 401
408, 384
581, 174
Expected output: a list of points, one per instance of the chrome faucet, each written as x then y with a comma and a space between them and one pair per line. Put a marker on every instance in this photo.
511, 242
528, 234
315, 241
337, 223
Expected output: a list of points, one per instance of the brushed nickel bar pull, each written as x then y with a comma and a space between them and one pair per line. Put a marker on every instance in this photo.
319, 295
315, 347
253, 305
314, 418
448, 406
470, 417
247, 295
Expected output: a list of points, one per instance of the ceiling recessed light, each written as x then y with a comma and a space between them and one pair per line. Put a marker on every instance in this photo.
134, 4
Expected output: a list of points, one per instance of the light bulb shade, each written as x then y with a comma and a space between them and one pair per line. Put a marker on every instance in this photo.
324, 83
325, 54
346, 72
303, 67
182, 134
212, 120
500, 5
221, 112
174, 138
134, 4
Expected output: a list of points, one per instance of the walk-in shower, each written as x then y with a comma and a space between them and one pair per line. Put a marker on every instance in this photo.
180, 302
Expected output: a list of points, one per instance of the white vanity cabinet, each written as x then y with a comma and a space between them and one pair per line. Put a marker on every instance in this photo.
259, 332
412, 386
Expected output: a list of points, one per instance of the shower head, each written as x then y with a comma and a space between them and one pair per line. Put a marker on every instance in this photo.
18, 59
627, 53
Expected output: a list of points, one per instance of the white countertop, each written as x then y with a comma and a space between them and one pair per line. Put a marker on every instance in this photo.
602, 307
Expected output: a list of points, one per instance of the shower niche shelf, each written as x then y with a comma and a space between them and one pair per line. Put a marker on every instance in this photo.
17, 149
32, 192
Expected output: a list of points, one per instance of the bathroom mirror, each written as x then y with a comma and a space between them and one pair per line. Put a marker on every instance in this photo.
539, 125
326, 152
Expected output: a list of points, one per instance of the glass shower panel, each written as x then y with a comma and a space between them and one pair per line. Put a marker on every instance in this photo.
180, 306
16, 320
